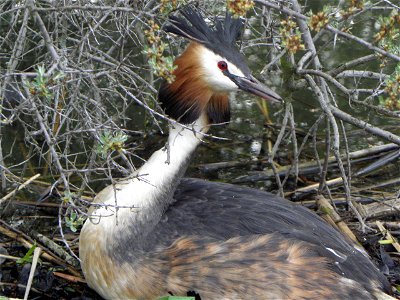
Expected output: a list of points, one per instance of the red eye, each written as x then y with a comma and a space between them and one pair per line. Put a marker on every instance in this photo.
222, 65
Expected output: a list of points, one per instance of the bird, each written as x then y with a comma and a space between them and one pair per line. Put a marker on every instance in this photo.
156, 233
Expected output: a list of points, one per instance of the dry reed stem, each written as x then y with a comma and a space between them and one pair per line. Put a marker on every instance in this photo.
333, 218
36, 254
386, 233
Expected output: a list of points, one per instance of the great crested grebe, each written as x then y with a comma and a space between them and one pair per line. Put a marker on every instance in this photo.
220, 240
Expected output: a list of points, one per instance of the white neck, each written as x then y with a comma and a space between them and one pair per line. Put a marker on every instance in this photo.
150, 190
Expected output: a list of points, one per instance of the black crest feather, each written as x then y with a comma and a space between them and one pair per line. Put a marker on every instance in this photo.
195, 28
221, 38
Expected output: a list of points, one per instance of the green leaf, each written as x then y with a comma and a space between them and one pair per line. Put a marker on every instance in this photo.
27, 257
109, 142
74, 221
386, 242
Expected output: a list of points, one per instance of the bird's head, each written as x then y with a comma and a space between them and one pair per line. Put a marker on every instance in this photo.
208, 70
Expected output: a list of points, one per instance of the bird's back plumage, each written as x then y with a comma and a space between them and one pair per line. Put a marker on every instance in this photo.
209, 215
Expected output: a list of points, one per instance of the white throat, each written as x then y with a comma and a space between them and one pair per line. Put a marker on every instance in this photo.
144, 196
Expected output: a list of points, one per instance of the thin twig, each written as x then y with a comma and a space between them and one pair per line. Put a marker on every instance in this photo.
20, 187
